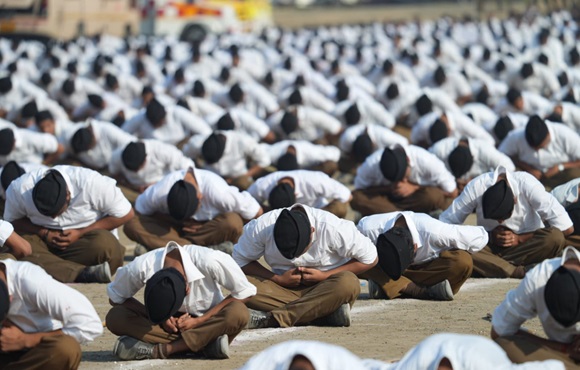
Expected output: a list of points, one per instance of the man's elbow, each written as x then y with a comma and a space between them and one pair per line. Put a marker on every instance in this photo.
568, 231
493, 334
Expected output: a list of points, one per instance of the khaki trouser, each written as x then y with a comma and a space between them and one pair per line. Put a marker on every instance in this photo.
522, 349
424, 200
157, 230
59, 352
500, 262
134, 322
5, 256
241, 182
454, 266
328, 167
337, 208
93, 248
302, 305
561, 178
573, 240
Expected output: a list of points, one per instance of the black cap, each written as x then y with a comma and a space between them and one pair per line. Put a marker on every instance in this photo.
482, 95
182, 200
512, 95
292, 233
536, 131
295, 98
289, 123
299, 81
46, 78
362, 147
498, 202
4, 301
29, 110
198, 89
225, 74
562, 296
96, 100
111, 81
134, 155
423, 105
460, 160
155, 112
438, 131
392, 91
352, 115
236, 93
225, 122
543, 58
213, 148
49, 193
500, 66
68, 87
394, 164
281, 196
5, 84
164, 294
527, 70
6, 141
439, 76
342, 91
563, 79
502, 127
43, 115
287, 162
387, 66
574, 213
82, 140
395, 251
10, 172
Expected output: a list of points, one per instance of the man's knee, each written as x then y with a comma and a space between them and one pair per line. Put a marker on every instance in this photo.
348, 283
555, 238
232, 224
237, 316
65, 353
461, 263
116, 320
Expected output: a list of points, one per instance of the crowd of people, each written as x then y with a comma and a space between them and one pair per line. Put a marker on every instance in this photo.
284, 167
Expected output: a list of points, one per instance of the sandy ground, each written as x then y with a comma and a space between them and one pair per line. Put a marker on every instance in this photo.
383, 330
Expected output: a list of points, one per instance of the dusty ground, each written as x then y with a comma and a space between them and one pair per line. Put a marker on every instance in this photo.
382, 330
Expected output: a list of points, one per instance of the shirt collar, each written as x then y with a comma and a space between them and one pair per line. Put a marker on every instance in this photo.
510, 179
410, 225
570, 253
192, 273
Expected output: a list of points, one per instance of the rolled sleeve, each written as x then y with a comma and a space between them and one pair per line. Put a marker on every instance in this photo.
250, 247
517, 307
228, 274
6, 229
128, 281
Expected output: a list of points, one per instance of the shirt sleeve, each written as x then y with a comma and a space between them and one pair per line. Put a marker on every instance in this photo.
43, 143
545, 203
509, 145
324, 121
107, 197
192, 123
224, 270
14, 208
129, 279
63, 303
517, 307
464, 237
256, 152
349, 242
331, 189
251, 245
463, 205
6, 229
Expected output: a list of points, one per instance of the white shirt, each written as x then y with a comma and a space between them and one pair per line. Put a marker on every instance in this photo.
335, 242
564, 146
41, 304
27, 167
464, 352
567, 193
533, 104
371, 112
323, 356
381, 136
234, 161
205, 271
533, 207
204, 108
571, 115
307, 153
460, 125
426, 170
486, 158
161, 159
217, 197
246, 122
92, 197
527, 301
6, 230
313, 188
108, 138
313, 124
179, 123
431, 235
30, 146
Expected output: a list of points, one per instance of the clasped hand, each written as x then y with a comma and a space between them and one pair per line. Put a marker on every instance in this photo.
301, 276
